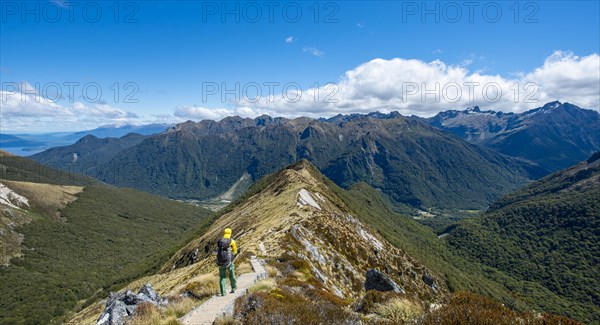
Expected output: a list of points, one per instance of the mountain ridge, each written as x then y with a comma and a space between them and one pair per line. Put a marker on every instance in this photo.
556, 135
202, 160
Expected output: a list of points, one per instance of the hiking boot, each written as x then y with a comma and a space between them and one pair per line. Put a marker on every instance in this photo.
232, 290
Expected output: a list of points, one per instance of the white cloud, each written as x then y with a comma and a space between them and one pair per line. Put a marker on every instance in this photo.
313, 51
204, 113
567, 77
201, 113
26, 110
290, 39
424, 88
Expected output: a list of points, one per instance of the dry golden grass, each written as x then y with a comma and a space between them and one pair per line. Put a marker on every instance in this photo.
181, 307
46, 196
399, 310
150, 315
49, 198
226, 320
265, 285
271, 271
203, 287
5, 154
90, 317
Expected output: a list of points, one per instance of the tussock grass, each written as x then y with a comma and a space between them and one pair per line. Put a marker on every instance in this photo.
265, 285
148, 314
399, 310
227, 320
180, 308
203, 287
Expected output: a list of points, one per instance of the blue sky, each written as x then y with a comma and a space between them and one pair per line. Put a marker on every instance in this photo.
170, 49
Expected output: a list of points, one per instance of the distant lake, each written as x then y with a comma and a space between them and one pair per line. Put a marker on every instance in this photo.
23, 151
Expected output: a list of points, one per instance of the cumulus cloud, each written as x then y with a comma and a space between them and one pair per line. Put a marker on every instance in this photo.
204, 113
201, 113
290, 39
567, 77
413, 86
25, 109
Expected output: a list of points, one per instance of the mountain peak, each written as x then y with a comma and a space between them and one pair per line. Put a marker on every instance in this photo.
473, 109
88, 138
552, 105
303, 164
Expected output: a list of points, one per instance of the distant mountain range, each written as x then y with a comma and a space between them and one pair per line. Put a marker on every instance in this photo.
555, 136
413, 160
414, 163
29, 144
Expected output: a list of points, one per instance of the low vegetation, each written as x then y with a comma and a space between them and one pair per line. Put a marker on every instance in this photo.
149, 314
110, 237
469, 308
462, 272
545, 233
203, 287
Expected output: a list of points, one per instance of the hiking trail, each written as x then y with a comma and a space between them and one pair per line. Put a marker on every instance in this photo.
217, 306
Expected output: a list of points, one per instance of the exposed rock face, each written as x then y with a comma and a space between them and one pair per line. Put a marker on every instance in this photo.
429, 281
378, 281
120, 306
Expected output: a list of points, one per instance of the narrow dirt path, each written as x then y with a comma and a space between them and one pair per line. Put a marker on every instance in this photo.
219, 306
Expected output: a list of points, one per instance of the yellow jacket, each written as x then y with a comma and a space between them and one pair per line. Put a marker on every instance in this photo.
233, 245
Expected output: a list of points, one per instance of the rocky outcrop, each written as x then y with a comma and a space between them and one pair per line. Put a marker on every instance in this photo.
428, 279
122, 305
376, 280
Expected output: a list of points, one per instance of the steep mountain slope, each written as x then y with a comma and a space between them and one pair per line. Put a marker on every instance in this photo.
88, 154
297, 215
546, 232
554, 136
318, 241
23, 169
62, 244
307, 235
413, 163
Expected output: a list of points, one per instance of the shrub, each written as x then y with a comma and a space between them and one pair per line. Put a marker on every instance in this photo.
469, 308
282, 306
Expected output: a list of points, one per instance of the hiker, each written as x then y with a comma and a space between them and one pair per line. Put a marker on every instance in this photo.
227, 250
